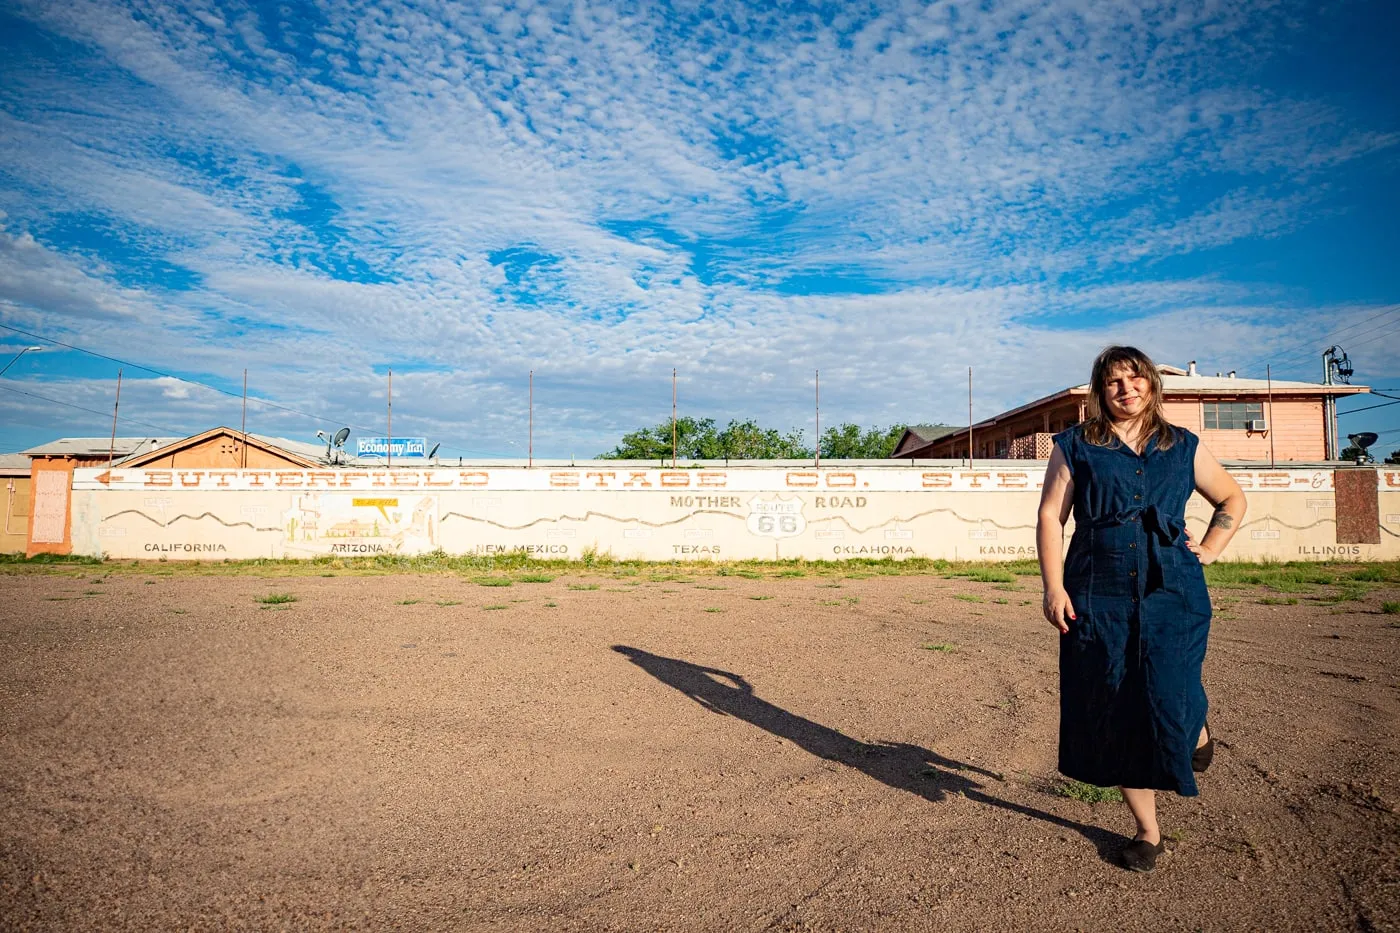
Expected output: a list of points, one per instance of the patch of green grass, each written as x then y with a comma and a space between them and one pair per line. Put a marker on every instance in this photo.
828, 602
942, 646
792, 573
583, 586
706, 586
449, 602
1351, 594
408, 602
1001, 602
1078, 790
535, 578
967, 597
1007, 587
986, 575
495, 606
1291, 577
1279, 601
493, 581
852, 600
92, 592
760, 597
551, 605
275, 599
713, 609
1390, 609
180, 612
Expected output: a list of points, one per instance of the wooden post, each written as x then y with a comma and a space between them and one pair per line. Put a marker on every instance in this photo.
112, 449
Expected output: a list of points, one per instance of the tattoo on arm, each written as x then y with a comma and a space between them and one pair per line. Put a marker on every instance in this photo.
1222, 519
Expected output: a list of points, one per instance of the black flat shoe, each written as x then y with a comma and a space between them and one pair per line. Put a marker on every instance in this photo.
1202, 757
1141, 855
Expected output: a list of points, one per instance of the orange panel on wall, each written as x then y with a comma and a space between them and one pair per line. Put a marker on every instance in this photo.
50, 499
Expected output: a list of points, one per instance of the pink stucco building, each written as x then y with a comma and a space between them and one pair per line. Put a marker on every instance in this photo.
1238, 419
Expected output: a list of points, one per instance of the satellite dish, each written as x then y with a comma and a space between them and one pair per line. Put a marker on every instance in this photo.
1363, 440
433, 453
340, 437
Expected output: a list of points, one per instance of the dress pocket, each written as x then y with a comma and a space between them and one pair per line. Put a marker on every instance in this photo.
1184, 575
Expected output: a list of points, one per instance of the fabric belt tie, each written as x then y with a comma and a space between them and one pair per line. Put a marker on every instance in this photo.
1166, 532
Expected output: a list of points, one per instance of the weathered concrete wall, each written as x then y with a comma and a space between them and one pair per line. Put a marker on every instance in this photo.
722, 514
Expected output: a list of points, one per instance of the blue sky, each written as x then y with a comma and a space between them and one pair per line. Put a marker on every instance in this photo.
887, 192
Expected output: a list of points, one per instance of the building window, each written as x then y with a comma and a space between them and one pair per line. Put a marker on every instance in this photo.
1232, 416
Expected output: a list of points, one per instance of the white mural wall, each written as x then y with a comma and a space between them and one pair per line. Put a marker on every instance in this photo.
686, 514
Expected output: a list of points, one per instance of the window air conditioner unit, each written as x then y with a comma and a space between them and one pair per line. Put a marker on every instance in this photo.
1258, 424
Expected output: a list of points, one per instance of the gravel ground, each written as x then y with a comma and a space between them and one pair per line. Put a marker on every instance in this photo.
420, 752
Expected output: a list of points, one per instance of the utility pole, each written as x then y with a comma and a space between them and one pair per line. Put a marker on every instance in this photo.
530, 443
112, 449
969, 417
819, 417
244, 458
673, 418
389, 446
1334, 362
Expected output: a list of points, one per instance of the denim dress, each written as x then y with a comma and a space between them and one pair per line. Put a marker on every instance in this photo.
1131, 701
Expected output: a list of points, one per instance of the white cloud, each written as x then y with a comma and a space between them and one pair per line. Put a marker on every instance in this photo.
972, 164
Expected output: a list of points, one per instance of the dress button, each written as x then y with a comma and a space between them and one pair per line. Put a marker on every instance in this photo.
1133, 544
1135, 599
1137, 497
1132, 573
1139, 472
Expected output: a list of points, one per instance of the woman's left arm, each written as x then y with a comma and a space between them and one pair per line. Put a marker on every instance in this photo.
1220, 490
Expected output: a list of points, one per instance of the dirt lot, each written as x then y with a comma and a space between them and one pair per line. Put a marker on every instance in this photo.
421, 752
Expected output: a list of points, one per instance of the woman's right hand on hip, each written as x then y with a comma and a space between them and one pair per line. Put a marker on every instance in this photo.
1058, 609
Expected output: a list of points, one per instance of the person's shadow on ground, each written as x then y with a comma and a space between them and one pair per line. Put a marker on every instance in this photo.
904, 767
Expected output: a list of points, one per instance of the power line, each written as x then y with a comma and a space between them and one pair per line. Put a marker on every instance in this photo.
204, 385
1300, 351
92, 411
1357, 411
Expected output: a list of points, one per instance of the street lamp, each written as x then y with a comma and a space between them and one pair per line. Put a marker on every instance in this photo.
18, 355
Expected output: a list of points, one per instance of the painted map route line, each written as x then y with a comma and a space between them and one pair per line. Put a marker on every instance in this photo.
590, 514
160, 524
916, 515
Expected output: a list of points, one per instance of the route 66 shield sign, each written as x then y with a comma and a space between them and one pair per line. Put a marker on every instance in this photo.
776, 518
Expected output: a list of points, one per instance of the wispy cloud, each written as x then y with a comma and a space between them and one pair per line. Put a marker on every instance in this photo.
600, 192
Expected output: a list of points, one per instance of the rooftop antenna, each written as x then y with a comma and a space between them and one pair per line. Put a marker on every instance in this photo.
433, 453
1335, 363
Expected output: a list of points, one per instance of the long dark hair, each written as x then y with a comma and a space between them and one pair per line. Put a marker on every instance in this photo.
1098, 426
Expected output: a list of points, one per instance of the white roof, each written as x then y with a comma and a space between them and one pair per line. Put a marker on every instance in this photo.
98, 446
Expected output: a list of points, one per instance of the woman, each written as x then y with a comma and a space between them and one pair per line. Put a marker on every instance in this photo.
1130, 599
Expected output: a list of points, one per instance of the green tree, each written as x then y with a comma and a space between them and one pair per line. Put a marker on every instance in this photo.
849, 442
698, 439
